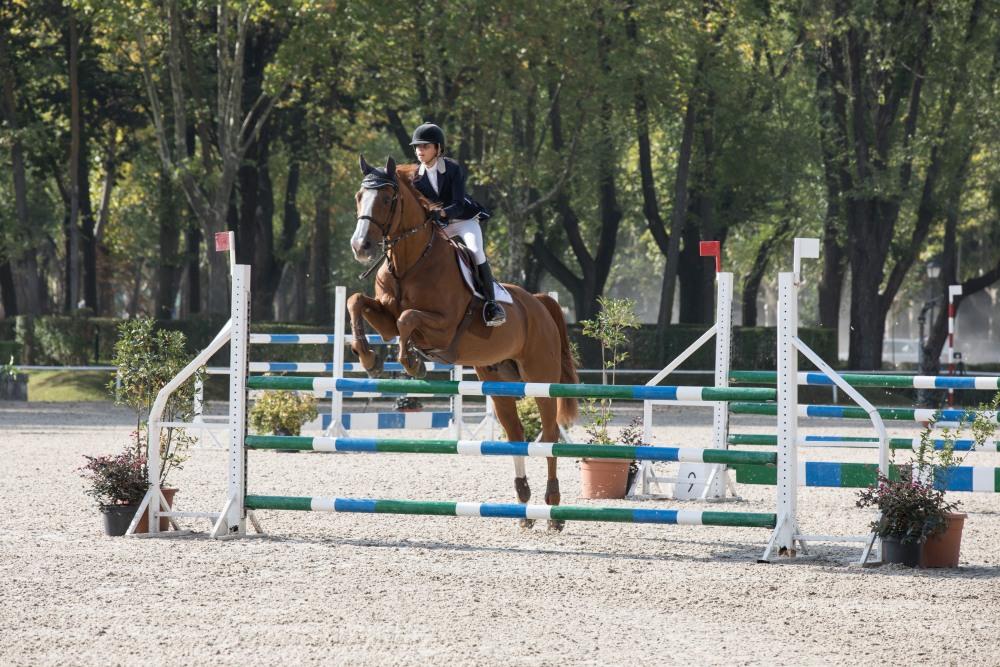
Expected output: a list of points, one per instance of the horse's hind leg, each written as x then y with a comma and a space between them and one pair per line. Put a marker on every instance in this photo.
550, 433
505, 409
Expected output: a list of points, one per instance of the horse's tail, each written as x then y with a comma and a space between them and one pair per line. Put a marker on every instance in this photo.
566, 408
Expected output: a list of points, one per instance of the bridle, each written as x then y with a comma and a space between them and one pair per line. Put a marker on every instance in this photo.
376, 181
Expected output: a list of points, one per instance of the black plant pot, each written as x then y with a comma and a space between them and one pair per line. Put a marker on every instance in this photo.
14, 387
117, 518
895, 551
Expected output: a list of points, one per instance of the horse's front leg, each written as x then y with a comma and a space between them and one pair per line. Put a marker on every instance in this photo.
361, 308
431, 329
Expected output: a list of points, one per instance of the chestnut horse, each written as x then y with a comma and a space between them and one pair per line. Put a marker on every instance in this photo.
421, 298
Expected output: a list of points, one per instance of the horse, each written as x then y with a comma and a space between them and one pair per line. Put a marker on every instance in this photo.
420, 297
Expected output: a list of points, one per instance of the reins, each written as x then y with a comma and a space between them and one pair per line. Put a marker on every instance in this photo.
388, 243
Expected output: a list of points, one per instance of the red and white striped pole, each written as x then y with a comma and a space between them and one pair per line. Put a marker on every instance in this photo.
953, 291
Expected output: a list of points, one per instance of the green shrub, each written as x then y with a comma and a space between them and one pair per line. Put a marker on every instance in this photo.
531, 420
282, 412
147, 360
8, 349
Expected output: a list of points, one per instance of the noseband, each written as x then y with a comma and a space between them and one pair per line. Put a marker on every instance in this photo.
377, 181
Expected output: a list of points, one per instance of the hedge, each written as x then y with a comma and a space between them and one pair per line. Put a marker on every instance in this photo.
76, 341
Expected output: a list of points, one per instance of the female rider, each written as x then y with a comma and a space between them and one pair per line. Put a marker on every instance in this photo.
442, 181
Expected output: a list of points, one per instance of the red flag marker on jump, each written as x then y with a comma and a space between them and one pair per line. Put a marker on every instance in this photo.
227, 241
712, 249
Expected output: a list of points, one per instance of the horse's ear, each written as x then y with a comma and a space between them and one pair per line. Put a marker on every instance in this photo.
365, 167
390, 167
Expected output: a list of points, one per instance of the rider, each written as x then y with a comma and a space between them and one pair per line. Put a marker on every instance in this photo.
442, 181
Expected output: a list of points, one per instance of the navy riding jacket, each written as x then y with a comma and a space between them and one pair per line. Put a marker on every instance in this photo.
451, 191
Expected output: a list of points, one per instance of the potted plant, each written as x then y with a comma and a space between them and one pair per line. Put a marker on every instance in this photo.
408, 404
118, 483
607, 478
942, 549
910, 511
146, 360
282, 412
13, 385
917, 525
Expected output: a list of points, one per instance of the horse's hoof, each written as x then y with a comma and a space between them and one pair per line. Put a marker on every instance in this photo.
378, 368
526, 524
523, 491
557, 525
418, 370
414, 364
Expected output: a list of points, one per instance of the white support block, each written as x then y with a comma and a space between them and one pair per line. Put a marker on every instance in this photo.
803, 248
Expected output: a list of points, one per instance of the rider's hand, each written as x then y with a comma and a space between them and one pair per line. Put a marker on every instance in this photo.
439, 217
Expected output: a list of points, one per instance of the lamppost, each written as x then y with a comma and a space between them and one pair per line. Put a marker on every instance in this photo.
933, 271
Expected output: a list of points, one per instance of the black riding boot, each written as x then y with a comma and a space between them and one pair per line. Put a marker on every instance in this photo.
493, 312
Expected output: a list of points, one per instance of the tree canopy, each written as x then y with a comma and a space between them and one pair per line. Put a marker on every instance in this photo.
608, 139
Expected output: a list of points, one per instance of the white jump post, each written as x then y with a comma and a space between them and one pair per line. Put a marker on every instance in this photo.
786, 539
337, 399
696, 480
953, 291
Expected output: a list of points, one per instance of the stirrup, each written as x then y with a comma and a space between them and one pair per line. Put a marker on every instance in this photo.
499, 315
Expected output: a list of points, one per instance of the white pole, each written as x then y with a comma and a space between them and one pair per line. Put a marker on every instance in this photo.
953, 291
723, 351
337, 398
787, 415
457, 405
239, 343
199, 398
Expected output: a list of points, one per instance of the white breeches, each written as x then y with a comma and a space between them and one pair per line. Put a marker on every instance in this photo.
471, 235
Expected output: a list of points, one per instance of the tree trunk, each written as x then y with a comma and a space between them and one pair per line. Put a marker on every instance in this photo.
193, 239
29, 289
8, 296
169, 242
73, 229
88, 236
319, 249
751, 286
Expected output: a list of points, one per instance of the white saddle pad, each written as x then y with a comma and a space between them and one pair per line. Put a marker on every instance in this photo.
503, 296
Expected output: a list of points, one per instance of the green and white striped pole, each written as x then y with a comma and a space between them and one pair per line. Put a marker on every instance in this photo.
505, 448
512, 511
514, 389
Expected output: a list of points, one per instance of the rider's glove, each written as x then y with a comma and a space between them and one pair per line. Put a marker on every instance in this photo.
437, 215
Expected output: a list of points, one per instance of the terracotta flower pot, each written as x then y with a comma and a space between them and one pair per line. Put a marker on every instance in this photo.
143, 526
943, 550
603, 478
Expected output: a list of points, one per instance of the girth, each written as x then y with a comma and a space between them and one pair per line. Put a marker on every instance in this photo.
449, 355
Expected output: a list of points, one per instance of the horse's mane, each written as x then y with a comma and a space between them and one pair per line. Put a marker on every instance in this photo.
405, 173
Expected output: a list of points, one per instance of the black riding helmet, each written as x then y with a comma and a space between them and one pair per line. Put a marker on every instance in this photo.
428, 133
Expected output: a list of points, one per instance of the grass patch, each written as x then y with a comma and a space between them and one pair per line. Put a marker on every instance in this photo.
69, 386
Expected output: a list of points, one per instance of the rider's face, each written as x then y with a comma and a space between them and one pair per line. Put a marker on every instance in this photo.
426, 153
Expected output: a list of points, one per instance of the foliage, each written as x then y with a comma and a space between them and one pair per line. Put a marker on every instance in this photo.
147, 359
407, 403
531, 420
282, 412
747, 128
9, 369
608, 328
913, 508
118, 479
67, 341
910, 510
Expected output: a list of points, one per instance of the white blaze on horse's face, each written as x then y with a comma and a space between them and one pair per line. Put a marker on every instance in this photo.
359, 241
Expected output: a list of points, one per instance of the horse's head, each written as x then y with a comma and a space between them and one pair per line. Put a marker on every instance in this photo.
377, 205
